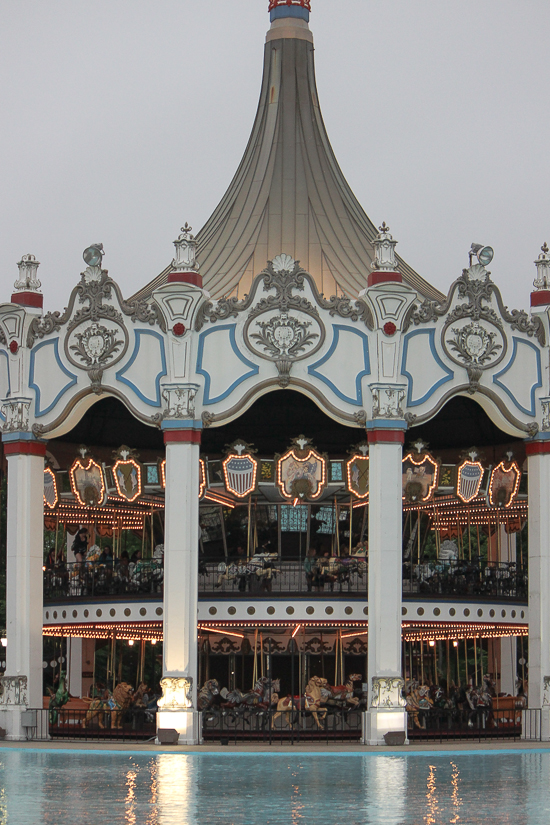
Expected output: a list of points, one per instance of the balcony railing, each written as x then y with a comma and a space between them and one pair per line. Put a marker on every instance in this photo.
267, 575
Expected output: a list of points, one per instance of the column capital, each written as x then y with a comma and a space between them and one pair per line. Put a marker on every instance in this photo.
23, 446
183, 436
540, 446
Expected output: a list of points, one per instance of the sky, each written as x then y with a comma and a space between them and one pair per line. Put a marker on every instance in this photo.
122, 119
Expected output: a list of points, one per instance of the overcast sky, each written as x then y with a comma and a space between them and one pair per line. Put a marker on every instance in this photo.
121, 119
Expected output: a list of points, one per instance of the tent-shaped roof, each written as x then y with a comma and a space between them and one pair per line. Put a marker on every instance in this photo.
289, 194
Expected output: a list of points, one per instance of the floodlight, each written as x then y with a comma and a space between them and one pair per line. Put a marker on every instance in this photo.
484, 254
93, 255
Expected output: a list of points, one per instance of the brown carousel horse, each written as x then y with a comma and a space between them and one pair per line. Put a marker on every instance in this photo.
115, 703
341, 695
311, 701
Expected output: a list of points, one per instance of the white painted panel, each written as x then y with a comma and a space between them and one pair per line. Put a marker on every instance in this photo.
145, 368
49, 378
221, 364
522, 375
4, 375
421, 364
344, 367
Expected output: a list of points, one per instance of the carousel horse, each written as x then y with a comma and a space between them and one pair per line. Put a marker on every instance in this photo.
57, 699
311, 702
115, 703
417, 703
341, 695
209, 695
258, 697
481, 706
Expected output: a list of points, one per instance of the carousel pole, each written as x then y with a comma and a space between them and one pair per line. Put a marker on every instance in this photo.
466, 659
475, 660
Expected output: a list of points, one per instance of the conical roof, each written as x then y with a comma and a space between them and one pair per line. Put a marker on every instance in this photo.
289, 194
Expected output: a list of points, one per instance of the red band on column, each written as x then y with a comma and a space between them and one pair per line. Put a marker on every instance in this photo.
182, 436
540, 298
24, 448
28, 299
185, 278
537, 447
381, 277
386, 436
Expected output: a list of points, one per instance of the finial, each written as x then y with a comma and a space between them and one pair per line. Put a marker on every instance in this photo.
542, 281
289, 8
384, 251
186, 246
28, 281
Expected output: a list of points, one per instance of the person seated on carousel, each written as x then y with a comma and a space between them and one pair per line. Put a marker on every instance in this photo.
329, 566
122, 570
80, 544
361, 549
310, 564
106, 557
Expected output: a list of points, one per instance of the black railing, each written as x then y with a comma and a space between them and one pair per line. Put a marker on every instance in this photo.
447, 725
258, 576
95, 724
459, 579
272, 726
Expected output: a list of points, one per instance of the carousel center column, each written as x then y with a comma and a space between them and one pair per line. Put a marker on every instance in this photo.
386, 713
178, 705
538, 467
22, 682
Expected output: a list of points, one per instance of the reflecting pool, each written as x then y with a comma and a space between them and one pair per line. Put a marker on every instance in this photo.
98, 788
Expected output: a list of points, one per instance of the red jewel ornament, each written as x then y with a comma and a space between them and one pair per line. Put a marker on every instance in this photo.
390, 328
14, 346
178, 329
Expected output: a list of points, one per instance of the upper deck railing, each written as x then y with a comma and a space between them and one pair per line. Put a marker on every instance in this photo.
257, 577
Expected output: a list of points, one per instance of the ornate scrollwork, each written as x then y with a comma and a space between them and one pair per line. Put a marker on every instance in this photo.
474, 345
476, 286
357, 310
387, 402
177, 693
13, 690
284, 335
16, 412
94, 293
387, 692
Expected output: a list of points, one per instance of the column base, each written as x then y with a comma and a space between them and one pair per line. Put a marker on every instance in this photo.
186, 722
12, 719
376, 723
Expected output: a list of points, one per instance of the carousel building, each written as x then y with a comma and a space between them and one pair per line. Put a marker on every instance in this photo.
321, 465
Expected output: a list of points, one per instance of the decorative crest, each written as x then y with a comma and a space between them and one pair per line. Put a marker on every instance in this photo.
28, 280
420, 473
384, 251
128, 473
357, 471
542, 281
240, 469
301, 471
504, 483
469, 475
186, 249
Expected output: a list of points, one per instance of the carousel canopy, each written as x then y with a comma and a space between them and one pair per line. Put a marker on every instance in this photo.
289, 194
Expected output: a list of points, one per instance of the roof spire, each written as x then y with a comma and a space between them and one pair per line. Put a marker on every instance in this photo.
289, 8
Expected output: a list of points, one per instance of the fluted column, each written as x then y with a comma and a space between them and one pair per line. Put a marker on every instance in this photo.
538, 464
386, 711
178, 706
22, 682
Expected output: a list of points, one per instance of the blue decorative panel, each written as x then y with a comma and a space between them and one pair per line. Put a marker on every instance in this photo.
522, 375
422, 366
48, 376
221, 363
345, 364
147, 365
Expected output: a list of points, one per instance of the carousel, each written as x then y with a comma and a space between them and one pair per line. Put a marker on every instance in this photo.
287, 487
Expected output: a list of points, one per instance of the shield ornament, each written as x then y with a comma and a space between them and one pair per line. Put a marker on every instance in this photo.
87, 482
301, 472
469, 478
240, 473
420, 476
504, 484
358, 476
51, 496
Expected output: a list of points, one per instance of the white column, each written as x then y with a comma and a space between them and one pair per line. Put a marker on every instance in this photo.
177, 708
538, 453
386, 707
25, 530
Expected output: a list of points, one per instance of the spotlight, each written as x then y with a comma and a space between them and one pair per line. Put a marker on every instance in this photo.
484, 254
93, 255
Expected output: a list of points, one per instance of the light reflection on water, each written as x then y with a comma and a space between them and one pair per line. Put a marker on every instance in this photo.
53, 788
